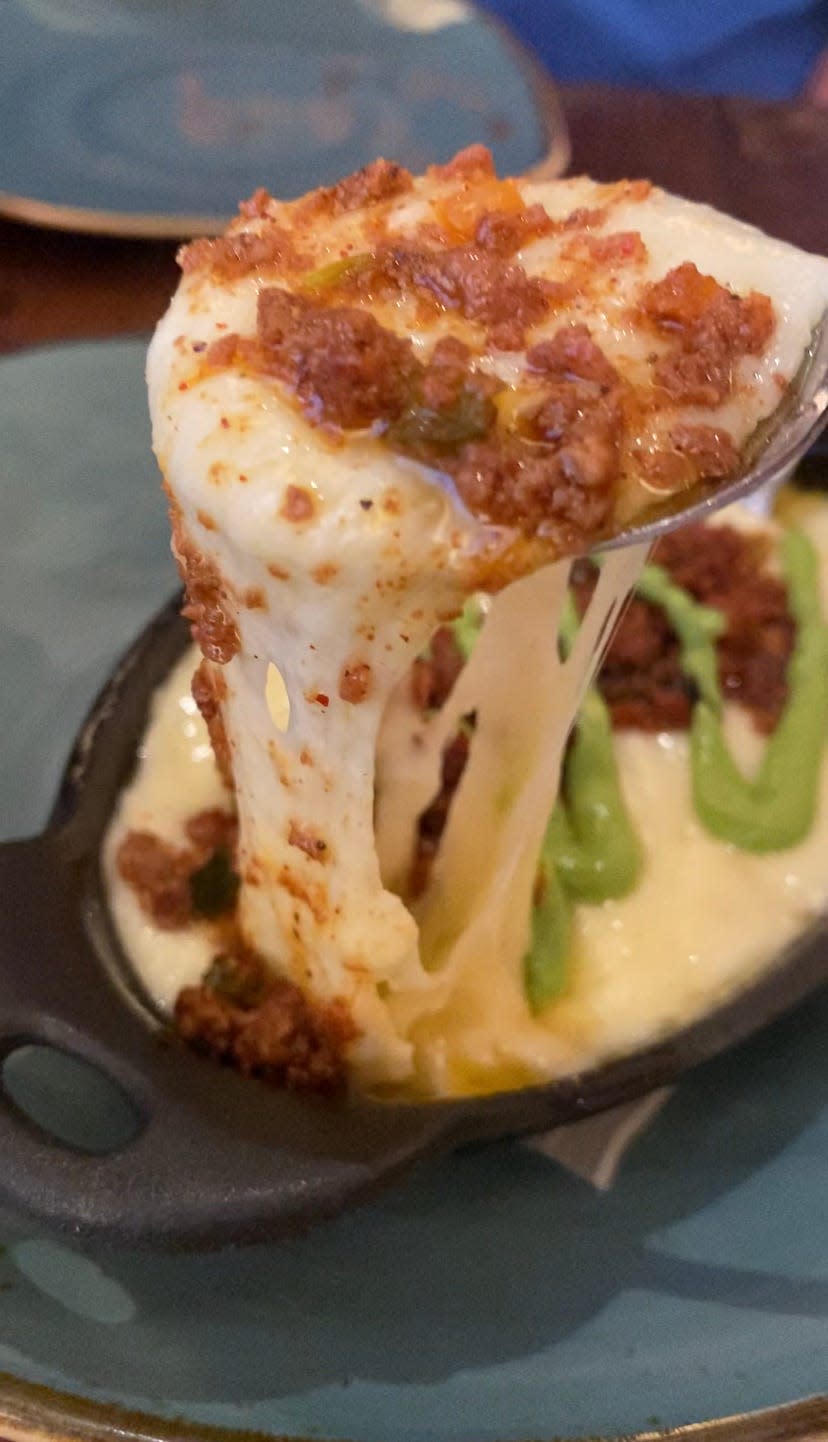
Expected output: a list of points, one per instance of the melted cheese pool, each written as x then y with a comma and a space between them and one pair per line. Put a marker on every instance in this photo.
704, 919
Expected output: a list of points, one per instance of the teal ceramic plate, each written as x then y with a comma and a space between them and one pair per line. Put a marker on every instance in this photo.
494, 1296
152, 117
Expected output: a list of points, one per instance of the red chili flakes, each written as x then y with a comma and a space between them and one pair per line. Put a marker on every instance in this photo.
298, 505
307, 840
317, 698
355, 682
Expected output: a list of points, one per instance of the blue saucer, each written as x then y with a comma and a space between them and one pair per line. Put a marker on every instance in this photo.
142, 117
494, 1296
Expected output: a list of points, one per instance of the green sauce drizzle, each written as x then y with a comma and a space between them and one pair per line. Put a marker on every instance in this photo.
697, 627
590, 852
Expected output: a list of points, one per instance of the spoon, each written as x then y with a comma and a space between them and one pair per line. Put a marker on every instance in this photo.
218, 1158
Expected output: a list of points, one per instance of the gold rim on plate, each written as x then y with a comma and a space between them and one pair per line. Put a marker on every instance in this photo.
30, 1412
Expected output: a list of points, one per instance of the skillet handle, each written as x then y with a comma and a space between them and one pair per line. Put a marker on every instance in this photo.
218, 1158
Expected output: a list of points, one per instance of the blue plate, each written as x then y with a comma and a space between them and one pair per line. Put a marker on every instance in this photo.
493, 1297
151, 117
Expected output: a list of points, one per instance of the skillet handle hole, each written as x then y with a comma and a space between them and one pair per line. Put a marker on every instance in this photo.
69, 1100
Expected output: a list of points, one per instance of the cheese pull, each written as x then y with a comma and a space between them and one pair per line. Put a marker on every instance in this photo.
370, 404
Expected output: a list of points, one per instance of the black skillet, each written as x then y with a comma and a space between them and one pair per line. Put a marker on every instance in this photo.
218, 1158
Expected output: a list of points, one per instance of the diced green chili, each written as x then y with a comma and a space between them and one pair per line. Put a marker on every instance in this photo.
423, 431
328, 277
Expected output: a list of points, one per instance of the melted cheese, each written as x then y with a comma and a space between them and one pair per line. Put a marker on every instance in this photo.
704, 919
387, 553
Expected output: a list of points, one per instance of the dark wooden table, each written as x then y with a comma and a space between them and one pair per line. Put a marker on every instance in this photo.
765, 163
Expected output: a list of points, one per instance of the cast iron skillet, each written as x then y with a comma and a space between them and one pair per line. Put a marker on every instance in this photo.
220, 1158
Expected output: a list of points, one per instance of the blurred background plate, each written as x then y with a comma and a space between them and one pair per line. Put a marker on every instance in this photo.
155, 117
495, 1296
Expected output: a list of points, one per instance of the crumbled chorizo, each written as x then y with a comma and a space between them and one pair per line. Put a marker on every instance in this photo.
434, 675
258, 205
621, 247
572, 354
212, 830
503, 232
209, 690
344, 366
232, 256
712, 451
355, 682
265, 1026
641, 676
206, 606
380, 180
501, 297
563, 491
159, 874
450, 403
695, 377
432, 821
222, 352
298, 505
711, 329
